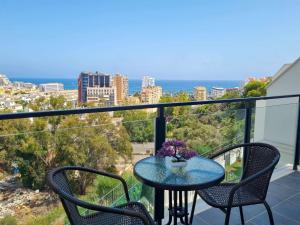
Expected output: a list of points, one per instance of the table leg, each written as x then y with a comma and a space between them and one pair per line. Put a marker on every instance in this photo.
159, 206
178, 207
181, 206
175, 207
193, 207
186, 208
170, 208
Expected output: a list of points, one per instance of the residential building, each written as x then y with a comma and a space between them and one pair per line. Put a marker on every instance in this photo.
103, 95
4, 81
24, 85
132, 100
96, 87
234, 89
71, 96
121, 84
51, 87
148, 81
151, 94
200, 93
274, 116
217, 92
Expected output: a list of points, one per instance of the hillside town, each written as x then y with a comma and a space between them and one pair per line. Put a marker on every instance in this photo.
99, 89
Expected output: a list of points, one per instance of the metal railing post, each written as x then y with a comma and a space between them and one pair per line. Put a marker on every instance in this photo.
160, 137
297, 147
247, 131
160, 128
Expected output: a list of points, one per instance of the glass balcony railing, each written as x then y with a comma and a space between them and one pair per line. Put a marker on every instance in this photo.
276, 124
114, 139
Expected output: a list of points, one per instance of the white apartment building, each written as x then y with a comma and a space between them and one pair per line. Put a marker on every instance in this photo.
51, 87
274, 116
217, 92
148, 81
25, 85
107, 94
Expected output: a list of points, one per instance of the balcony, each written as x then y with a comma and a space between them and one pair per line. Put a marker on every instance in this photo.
266, 119
283, 197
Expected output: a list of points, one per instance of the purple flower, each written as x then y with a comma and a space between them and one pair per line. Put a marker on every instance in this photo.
176, 149
187, 154
163, 152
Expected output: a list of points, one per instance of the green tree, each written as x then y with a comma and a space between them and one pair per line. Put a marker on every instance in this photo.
176, 111
255, 88
78, 144
139, 125
38, 104
39, 144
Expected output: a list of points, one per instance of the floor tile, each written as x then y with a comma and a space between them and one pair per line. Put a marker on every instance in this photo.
283, 197
278, 219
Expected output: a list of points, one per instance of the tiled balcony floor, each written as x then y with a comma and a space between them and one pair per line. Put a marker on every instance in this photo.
283, 197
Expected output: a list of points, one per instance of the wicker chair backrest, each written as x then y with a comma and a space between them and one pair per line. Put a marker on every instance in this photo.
71, 209
259, 157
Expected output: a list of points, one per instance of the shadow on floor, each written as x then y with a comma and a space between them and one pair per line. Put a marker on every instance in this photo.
283, 197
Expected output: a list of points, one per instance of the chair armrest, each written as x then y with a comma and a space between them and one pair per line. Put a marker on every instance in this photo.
101, 173
222, 151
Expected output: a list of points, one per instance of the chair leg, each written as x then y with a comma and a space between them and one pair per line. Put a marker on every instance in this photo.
227, 216
193, 207
242, 215
269, 213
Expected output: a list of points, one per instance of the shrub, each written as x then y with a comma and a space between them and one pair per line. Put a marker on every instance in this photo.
8, 220
105, 184
53, 215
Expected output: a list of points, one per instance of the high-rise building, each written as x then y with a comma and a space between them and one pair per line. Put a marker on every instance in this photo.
148, 81
4, 80
96, 87
51, 87
151, 95
121, 84
217, 92
200, 93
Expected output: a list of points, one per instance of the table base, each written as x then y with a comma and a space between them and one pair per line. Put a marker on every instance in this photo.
178, 207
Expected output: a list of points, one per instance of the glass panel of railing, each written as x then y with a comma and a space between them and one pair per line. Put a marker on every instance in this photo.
106, 141
139, 125
209, 129
27, 153
276, 124
208, 132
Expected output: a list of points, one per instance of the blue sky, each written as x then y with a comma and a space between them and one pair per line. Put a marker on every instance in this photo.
169, 39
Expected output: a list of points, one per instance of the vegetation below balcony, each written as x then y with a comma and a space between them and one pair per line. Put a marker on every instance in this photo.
31, 147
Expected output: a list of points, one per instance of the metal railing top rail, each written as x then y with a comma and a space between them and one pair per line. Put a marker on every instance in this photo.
20, 115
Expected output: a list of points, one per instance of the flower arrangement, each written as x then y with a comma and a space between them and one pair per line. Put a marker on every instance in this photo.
176, 149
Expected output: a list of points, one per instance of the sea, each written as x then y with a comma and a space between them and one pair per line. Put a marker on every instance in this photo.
168, 86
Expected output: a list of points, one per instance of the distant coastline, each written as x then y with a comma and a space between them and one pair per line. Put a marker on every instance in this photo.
168, 86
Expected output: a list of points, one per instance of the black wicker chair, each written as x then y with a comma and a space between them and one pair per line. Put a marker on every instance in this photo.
133, 213
260, 161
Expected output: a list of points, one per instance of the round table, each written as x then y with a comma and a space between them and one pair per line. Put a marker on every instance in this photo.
159, 173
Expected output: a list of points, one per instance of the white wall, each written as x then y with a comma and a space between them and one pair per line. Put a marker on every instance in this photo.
276, 120
288, 83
